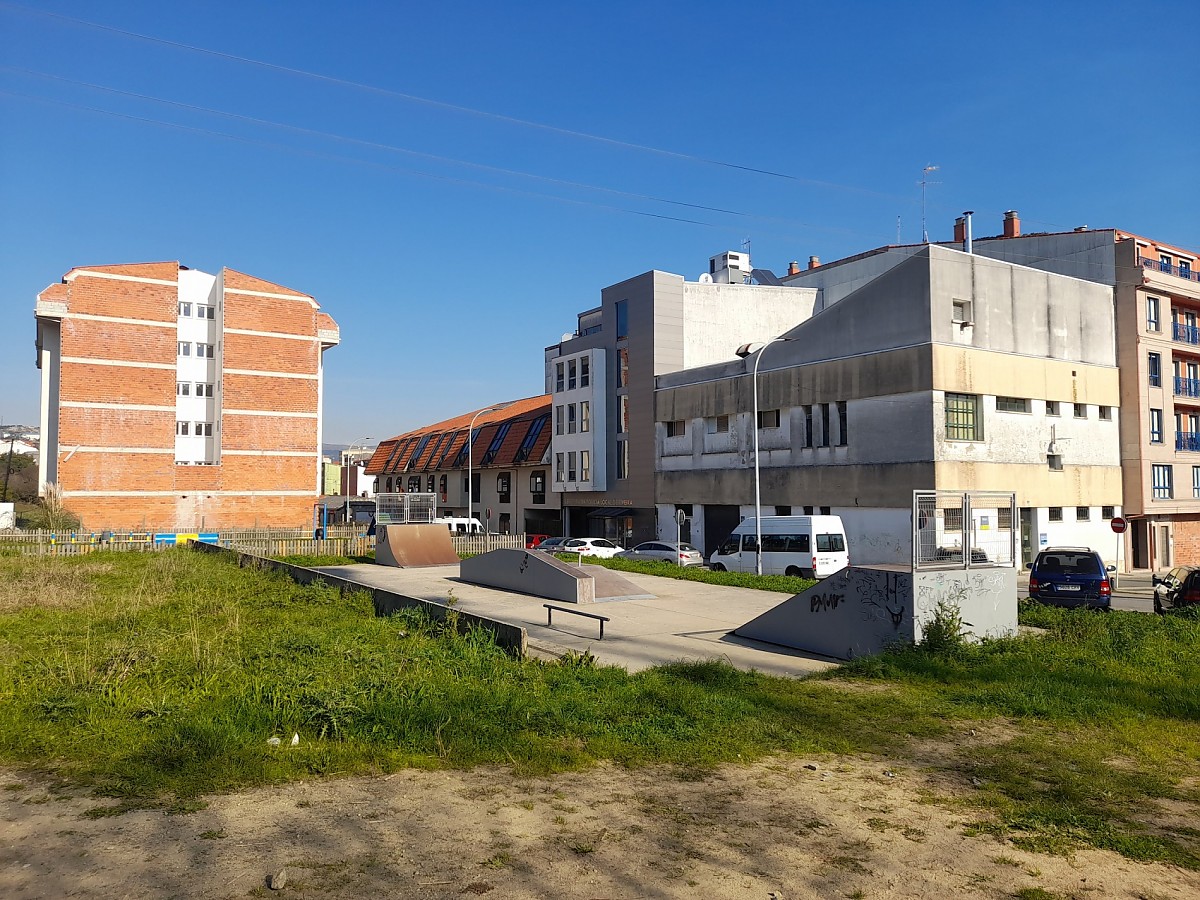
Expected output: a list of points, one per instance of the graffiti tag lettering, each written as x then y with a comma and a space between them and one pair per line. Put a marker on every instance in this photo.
818, 602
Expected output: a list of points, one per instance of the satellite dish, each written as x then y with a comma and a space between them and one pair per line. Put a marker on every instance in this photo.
705, 278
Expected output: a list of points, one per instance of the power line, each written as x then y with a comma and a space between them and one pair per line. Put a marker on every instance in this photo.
376, 145
440, 104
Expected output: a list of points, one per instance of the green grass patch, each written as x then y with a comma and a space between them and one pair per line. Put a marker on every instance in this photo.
329, 559
1104, 713
785, 584
157, 678
153, 676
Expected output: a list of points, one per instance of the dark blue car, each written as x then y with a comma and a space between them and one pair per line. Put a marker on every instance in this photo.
1072, 577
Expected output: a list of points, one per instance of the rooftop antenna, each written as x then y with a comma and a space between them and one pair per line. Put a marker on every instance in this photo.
897, 231
924, 182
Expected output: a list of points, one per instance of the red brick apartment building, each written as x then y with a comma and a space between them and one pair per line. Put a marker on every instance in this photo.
176, 399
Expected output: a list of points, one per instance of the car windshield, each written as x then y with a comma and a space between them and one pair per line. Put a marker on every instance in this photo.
1069, 563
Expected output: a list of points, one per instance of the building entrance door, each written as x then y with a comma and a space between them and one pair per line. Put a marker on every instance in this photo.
1162, 548
1140, 535
1026, 536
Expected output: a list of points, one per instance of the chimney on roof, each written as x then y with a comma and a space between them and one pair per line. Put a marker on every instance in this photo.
960, 230
814, 261
1012, 224
794, 268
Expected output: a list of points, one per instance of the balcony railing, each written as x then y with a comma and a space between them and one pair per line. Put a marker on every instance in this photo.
1187, 440
1188, 334
1187, 387
1156, 265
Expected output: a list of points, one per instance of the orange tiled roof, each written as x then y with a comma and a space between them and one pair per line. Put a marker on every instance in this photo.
524, 410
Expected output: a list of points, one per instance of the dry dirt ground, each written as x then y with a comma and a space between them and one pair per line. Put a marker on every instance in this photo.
784, 828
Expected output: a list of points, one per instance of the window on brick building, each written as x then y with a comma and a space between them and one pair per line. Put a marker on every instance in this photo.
185, 348
184, 389
203, 389
203, 429
204, 311
182, 428
185, 309
204, 351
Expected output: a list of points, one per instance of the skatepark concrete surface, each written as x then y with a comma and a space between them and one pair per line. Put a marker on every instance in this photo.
684, 620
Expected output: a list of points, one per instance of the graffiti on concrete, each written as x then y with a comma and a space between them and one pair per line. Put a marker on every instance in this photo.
882, 598
818, 602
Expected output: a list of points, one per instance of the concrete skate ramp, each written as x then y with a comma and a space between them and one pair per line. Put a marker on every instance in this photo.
541, 575
414, 545
861, 610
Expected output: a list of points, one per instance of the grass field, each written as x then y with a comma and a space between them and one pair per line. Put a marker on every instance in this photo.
156, 678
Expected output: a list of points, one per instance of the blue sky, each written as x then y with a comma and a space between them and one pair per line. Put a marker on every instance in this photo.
454, 181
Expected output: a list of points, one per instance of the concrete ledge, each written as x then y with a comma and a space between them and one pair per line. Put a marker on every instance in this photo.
537, 574
512, 638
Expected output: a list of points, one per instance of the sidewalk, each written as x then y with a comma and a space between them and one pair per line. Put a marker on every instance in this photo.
683, 620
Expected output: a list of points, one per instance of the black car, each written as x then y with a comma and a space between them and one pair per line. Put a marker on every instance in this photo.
1179, 587
1072, 577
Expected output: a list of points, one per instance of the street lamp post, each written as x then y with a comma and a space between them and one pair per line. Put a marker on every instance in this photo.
347, 460
470, 429
744, 351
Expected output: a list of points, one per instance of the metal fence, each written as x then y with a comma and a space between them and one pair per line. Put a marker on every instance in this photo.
405, 509
964, 529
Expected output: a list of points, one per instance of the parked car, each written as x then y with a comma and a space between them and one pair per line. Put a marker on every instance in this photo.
955, 554
533, 540
551, 544
1071, 577
667, 551
1179, 587
601, 548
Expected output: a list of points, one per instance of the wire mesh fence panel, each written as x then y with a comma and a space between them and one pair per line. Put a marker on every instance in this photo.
405, 509
963, 529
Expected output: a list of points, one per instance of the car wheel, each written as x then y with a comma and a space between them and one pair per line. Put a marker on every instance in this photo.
717, 567
793, 572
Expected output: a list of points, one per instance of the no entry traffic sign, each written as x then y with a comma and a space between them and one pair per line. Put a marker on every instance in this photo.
1119, 524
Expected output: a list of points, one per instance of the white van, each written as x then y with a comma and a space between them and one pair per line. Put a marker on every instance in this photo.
461, 524
808, 546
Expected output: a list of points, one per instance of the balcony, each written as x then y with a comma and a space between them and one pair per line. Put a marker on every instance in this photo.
1187, 440
1187, 334
1187, 387
1154, 265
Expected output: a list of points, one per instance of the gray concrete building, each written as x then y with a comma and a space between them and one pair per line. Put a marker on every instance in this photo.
1157, 298
601, 381
914, 368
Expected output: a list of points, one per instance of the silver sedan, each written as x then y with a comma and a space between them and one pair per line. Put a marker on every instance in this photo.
676, 554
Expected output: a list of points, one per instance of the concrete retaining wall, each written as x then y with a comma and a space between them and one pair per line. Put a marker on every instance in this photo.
512, 638
537, 574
